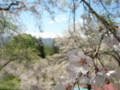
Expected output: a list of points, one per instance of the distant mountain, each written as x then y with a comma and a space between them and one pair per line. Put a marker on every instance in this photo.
47, 41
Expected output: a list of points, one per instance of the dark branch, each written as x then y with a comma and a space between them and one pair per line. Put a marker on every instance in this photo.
7, 63
11, 60
8, 8
12, 4
107, 25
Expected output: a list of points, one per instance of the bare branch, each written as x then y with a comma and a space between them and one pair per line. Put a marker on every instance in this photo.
107, 25
10, 5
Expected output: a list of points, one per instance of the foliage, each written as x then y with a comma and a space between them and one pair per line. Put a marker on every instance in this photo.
48, 50
40, 48
25, 40
55, 48
10, 82
22, 47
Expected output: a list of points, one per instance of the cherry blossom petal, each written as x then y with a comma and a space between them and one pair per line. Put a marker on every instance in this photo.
114, 41
98, 81
101, 73
107, 40
73, 59
84, 69
89, 61
72, 72
77, 64
68, 85
110, 41
73, 52
72, 77
92, 81
81, 55
111, 73
116, 48
84, 80
70, 68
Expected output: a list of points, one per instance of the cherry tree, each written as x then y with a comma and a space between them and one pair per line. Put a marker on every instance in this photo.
99, 41
102, 33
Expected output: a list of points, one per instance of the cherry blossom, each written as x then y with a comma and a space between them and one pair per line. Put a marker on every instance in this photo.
99, 79
110, 73
66, 85
84, 80
73, 52
113, 74
72, 72
78, 70
81, 61
110, 41
117, 48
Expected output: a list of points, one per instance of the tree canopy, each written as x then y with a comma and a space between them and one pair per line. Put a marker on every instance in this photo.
98, 36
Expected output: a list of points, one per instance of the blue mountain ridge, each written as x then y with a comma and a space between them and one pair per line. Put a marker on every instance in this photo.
46, 41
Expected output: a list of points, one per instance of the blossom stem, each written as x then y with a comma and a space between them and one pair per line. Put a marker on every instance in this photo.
91, 51
89, 87
78, 85
101, 62
94, 63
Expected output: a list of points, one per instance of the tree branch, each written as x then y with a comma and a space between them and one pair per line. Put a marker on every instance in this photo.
8, 8
107, 25
12, 4
7, 63
11, 60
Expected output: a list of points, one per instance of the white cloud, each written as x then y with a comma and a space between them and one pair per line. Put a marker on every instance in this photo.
79, 21
60, 18
51, 22
44, 34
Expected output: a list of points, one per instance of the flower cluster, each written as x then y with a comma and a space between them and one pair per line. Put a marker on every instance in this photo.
111, 40
79, 72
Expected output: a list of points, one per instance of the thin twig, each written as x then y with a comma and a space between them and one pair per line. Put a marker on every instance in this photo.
110, 27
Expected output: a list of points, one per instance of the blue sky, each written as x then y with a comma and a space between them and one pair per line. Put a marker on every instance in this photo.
50, 28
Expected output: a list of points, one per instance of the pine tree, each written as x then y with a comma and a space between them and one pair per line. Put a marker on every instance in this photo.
40, 48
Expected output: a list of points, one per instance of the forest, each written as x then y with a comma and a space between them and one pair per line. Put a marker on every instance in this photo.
85, 57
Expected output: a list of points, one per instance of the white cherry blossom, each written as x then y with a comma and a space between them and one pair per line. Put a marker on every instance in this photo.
117, 48
84, 80
99, 79
113, 74
66, 85
73, 52
110, 41
72, 72
110, 73
81, 61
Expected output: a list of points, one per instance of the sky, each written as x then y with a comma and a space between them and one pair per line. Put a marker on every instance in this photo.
51, 29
